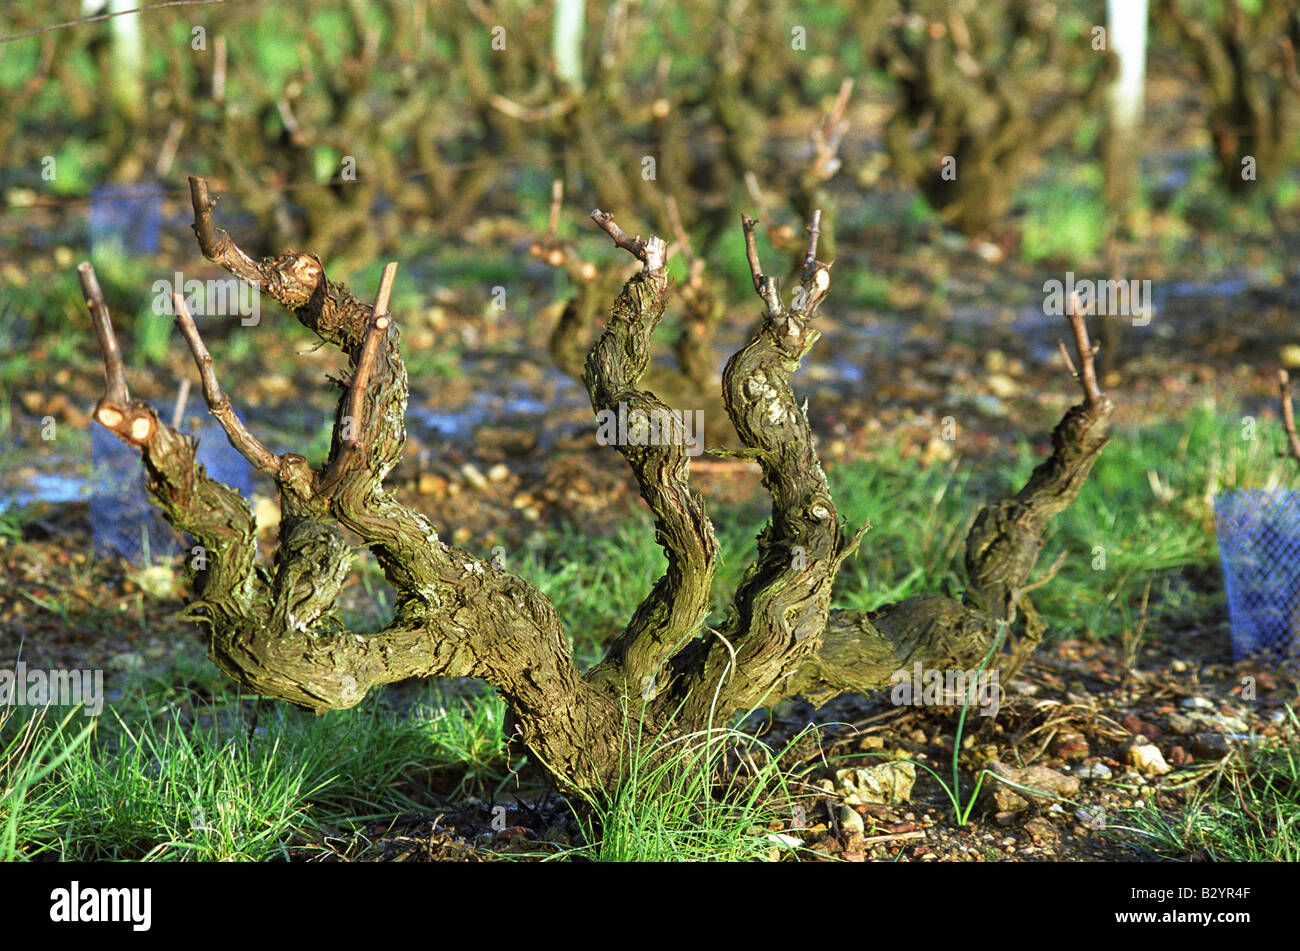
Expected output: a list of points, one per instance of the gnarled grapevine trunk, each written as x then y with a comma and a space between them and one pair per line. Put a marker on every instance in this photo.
276, 632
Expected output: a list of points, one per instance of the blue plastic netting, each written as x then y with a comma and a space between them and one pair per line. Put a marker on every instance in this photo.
125, 522
1259, 543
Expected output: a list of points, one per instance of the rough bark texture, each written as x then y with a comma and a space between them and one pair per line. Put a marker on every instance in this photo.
276, 632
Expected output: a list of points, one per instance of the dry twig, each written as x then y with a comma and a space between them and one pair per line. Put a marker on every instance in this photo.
1086, 373
1288, 414
354, 428
244, 442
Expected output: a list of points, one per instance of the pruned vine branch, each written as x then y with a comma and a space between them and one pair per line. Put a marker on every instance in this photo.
244, 442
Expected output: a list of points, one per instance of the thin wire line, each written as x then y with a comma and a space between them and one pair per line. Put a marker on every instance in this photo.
108, 16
